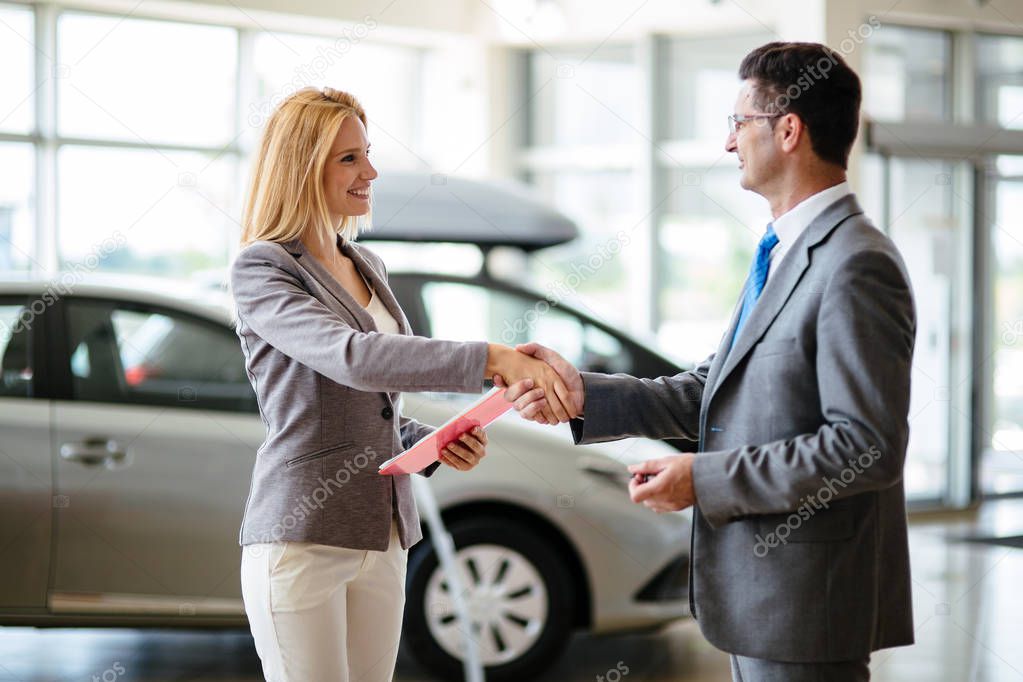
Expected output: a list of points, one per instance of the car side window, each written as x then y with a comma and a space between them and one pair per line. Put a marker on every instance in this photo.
470, 312
131, 354
15, 350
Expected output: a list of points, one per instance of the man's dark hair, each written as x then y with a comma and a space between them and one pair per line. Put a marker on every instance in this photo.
814, 82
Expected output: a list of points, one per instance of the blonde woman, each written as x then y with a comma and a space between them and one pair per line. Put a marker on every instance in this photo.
328, 351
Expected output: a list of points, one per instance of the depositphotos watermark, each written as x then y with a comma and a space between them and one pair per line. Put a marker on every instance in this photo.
814, 503
614, 674
1012, 332
110, 674
559, 290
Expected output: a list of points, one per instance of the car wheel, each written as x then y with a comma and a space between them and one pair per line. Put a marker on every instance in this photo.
519, 594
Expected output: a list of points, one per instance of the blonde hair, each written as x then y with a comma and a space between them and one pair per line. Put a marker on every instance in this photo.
286, 197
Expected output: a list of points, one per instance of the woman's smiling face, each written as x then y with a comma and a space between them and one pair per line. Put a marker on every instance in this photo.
348, 172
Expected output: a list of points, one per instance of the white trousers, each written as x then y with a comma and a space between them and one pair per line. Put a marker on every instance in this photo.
325, 614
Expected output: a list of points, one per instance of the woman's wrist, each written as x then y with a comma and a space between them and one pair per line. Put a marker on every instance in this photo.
495, 359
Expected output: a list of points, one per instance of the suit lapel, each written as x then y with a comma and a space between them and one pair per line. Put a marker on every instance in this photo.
720, 356
771, 301
777, 292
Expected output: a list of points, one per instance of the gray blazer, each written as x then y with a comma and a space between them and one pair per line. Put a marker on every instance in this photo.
799, 549
328, 386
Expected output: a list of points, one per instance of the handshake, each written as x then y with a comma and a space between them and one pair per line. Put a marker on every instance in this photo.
544, 386
547, 389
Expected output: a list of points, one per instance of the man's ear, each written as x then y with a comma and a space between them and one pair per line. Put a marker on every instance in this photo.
790, 131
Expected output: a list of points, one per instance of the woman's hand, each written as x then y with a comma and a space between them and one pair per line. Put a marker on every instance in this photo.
529, 401
513, 366
466, 452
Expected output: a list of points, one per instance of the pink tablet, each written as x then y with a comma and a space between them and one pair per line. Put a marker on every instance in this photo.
427, 451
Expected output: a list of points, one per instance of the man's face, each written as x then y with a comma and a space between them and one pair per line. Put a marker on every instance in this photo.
753, 142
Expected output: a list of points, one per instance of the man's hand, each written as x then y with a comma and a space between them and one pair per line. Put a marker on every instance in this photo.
466, 452
532, 404
669, 483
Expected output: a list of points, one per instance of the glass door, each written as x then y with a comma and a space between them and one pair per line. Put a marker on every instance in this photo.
1002, 439
928, 216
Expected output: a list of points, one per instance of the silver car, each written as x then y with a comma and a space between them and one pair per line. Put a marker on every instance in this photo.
127, 435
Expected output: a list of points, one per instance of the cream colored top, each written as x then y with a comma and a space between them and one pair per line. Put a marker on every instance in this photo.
385, 322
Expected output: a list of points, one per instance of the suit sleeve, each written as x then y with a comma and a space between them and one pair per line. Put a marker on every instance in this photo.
866, 327
273, 303
622, 406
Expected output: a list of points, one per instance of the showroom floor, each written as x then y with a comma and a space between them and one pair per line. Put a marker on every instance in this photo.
968, 602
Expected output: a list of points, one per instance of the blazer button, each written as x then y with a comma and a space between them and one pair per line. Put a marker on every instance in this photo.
387, 413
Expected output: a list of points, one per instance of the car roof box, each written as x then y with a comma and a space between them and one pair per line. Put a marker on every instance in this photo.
423, 207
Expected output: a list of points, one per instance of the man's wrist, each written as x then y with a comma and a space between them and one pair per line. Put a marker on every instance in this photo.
687, 468
582, 392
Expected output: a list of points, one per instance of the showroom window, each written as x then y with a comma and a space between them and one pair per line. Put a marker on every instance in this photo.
17, 186
906, 75
17, 162
583, 98
163, 93
583, 138
1000, 80
629, 140
1000, 102
1003, 471
282, 62
17, 97
948, 197
125, 140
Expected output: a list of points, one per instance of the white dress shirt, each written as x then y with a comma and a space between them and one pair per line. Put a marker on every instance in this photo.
789, 225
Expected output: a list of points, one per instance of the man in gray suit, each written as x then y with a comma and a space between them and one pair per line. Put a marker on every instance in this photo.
799, 556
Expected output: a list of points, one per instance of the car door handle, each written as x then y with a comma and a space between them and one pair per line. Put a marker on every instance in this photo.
93, 452
612, 471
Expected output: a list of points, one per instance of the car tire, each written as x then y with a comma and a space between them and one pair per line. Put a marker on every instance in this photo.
523, 595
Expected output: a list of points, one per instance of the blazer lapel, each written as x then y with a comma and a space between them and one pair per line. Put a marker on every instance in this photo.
305, 259
379, 284
778, 290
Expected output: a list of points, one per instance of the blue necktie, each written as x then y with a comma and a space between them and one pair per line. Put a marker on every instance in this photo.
757, 278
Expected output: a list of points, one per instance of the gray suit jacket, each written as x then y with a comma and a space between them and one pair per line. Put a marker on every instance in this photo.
799, 549
328, 387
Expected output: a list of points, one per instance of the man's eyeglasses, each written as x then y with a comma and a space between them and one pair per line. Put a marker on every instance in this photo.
736, 121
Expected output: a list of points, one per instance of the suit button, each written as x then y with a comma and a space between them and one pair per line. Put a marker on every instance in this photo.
387, 413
